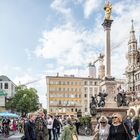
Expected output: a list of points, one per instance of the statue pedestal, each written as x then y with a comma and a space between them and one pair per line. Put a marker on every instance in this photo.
109, 111
109, 85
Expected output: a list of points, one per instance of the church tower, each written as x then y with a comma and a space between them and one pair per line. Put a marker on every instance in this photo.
132, 57
132, 48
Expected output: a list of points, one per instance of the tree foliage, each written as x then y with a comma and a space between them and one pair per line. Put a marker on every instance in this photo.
25, 100
85, 120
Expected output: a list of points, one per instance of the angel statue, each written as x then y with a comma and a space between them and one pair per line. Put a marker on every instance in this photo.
93, 106
102, 96
107, 8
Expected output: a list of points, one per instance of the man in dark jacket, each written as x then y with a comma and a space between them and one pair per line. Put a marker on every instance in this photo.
56, 127
29, 128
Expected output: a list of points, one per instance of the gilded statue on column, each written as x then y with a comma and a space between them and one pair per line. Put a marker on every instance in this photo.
107, 8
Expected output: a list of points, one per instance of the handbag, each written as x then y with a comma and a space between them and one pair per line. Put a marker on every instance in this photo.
96, 136
74, 137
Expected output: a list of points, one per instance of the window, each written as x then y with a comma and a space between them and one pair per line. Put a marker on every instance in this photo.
85, 95
59, 102
85, 82
95, 83
59, 82
1, 85
6, 85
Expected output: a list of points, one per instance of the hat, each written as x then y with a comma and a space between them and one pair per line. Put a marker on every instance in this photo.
103, 119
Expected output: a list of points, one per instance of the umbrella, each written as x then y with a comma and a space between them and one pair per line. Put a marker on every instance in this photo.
7, 114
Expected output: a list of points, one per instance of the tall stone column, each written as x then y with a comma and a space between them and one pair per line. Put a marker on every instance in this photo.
107, 28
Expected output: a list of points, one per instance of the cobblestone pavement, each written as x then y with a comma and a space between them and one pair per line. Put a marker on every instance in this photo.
85, 137
18, 137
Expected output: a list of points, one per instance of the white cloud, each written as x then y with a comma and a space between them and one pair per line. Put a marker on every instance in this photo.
90, 6
70, 46
61, 7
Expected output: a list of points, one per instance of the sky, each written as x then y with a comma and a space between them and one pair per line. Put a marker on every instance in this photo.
40, 38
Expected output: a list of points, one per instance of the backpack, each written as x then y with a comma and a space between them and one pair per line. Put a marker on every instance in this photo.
39, 124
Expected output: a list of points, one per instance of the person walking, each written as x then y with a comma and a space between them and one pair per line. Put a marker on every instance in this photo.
50, 126
14, 128
118, 130
29, 128
102, 129
77, 125
136, 126
69, 132
56, 125
41, 127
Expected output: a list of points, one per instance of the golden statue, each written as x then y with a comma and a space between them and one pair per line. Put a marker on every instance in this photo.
108, 8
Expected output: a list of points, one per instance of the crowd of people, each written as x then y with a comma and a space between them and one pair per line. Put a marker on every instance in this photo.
38, 126
11, 124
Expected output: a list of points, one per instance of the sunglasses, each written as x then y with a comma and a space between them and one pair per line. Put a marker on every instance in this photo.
114, 117
102, 122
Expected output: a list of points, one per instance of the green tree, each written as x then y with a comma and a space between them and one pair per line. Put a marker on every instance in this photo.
25, 100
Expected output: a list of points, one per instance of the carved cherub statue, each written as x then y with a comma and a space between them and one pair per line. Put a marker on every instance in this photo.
107, 8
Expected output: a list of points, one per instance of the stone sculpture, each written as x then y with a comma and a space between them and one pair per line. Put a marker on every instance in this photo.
102, 96
93, 106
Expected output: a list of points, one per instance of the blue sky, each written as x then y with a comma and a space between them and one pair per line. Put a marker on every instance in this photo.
43, 37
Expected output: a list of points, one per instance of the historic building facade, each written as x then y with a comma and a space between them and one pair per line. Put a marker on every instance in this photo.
68, 94
133, 68
7, 90
133, 73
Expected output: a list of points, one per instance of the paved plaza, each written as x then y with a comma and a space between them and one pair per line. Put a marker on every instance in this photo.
18, 137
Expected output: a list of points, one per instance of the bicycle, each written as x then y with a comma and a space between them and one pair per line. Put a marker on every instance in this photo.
85, 130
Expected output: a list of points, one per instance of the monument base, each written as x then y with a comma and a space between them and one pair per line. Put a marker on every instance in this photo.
108, 112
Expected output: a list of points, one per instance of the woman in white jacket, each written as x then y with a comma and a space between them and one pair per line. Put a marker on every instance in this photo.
102, 129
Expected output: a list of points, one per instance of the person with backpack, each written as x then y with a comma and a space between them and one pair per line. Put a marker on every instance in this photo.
41, 127
69, 132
